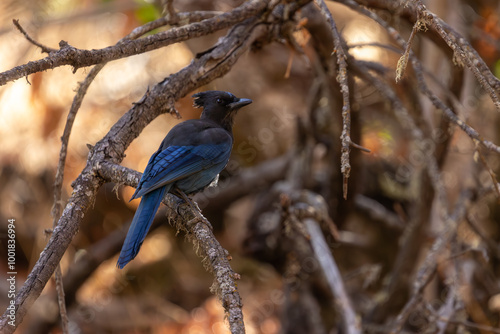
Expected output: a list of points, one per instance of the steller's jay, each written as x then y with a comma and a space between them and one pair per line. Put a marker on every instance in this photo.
190, 157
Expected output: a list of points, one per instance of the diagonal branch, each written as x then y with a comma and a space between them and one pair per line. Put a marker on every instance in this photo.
156, 101
75, 106
44, 48
216, 257
333, 276
470, 131
464, 52
77, 58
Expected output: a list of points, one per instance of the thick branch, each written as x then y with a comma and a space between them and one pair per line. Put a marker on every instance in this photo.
216, 257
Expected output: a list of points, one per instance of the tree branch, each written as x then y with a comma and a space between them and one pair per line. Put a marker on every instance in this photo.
44, 48
463, 51
77, 58
333, 276
428, 267
215, 256
470, 131
75, 106
156, 101
342, 79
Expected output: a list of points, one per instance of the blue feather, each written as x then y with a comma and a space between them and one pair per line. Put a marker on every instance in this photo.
141, 223
190, 157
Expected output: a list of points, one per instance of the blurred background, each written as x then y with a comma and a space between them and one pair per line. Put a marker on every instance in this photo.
166, 288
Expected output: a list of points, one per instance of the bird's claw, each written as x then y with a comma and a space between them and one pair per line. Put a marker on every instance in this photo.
200, 219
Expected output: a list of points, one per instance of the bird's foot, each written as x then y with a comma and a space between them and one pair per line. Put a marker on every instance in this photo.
199, 218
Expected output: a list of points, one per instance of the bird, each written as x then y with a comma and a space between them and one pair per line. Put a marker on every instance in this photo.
188, 160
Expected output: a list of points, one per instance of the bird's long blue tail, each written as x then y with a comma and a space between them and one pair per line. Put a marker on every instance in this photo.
140, 225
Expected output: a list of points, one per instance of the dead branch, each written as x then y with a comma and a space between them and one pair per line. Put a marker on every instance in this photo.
77, 58
333, 276
377, 211
428, 268
342, 78
471, 132
44, 48
75, 106
158, 100
215, 257
463, 51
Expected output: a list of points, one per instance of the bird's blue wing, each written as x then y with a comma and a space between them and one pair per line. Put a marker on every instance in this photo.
178, 162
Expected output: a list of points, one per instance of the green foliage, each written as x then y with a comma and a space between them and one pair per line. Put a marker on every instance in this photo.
147, 12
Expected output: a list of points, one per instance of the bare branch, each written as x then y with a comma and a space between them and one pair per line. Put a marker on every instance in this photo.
77, 58
342, 79
471, 132
158, 100
333, 276
61, 301
44, 48
428, 268
403, 61
463, 51
215, 256
378, 212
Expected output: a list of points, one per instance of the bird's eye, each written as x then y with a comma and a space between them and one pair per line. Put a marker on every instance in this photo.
219, 101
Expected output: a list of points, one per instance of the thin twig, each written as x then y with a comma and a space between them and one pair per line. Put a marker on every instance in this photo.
343, 80
61, 300
415, 299
378, 212
44, 48
438, 103
183, 17
403, 61
359, 147
453, 280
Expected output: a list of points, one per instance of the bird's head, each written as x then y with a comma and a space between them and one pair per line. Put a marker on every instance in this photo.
219, 106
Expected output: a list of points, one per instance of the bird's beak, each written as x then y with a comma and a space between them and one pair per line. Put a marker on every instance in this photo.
238, 104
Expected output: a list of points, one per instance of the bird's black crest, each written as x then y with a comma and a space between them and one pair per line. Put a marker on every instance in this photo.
200, 99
